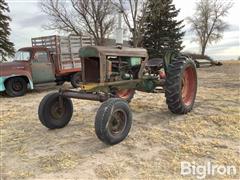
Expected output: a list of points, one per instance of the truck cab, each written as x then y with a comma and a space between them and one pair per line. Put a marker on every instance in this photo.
29, 67
40, 62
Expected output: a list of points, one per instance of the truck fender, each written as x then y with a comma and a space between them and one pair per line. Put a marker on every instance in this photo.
4, 78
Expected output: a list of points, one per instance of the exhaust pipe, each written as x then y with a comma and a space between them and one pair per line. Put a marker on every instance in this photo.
119, 34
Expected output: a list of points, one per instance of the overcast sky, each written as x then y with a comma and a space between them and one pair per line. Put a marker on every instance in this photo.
27, 22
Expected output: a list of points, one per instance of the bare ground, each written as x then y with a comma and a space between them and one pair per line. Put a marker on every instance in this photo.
157, 143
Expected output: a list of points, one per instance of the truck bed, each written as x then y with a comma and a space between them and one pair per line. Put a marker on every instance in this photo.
65, 50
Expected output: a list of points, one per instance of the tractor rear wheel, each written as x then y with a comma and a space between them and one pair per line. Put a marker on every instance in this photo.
113, 121
181, 85
126, 94
55, 113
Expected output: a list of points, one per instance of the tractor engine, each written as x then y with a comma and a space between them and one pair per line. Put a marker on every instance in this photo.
122, 68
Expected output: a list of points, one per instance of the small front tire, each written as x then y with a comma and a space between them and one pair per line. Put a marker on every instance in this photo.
55, 113
113, 121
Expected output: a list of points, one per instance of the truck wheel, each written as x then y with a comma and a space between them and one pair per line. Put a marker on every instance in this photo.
16, 86
51, 114
60, 83
126, 94
76, 79
181, 85
113, 121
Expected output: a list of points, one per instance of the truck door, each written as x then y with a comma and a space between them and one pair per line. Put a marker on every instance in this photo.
42, 68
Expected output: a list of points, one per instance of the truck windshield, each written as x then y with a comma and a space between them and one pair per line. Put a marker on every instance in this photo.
22, 56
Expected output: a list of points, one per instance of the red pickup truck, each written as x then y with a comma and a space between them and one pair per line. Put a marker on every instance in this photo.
50, 59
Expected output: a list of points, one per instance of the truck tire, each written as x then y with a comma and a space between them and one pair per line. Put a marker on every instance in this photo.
16, 86
126, 94
76, 79
181, 85
51, 114
113, 121
60, 83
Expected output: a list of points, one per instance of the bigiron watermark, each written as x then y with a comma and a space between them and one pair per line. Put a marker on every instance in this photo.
206, 169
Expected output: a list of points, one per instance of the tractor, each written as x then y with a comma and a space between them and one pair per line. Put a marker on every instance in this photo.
111, 75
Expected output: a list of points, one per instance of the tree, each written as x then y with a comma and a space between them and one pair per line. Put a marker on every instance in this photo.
6, 47
208, 23
162, 32
134, 14
93, 17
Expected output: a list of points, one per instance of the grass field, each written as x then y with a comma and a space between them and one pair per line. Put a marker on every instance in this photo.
157, 143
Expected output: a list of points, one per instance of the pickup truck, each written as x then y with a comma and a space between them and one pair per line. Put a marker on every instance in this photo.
50, 59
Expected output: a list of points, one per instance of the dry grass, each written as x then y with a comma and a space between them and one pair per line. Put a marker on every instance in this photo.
58, 162
157, 143
232, 62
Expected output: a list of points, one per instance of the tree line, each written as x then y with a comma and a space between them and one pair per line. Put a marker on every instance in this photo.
152, 24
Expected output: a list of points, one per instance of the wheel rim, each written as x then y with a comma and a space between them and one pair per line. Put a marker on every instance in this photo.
125, 93
117, 122
188, 86
56, 111
17, 86
162, 75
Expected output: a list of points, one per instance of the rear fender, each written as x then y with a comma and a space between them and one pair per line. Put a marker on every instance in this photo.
3, 79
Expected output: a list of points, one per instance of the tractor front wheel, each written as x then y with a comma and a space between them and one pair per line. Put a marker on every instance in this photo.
54, 111
113, 121
181, 85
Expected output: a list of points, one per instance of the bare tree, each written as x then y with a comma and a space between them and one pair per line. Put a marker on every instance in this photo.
134, 12
94, 17
208, 23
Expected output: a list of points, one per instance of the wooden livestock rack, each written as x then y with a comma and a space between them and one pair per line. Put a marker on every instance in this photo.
64, 49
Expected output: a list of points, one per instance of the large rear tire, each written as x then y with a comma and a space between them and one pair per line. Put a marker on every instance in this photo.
126, 94
53, 113
113, 121
181, 85
16, 86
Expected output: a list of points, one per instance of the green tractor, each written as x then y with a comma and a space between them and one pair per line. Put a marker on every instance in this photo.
112, 75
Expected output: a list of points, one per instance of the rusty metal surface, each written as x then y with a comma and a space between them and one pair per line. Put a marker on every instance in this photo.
90, 53
33, 49
105, 87
97, 51
83, 95
14, 69
90, 67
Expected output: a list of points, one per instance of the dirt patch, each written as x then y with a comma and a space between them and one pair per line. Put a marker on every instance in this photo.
157, 143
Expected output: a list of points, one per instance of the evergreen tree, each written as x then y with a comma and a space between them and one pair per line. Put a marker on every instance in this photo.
6, 47
162, 32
